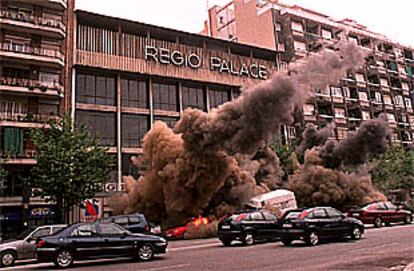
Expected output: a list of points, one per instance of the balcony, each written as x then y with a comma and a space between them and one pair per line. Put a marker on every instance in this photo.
16, 148
32, 87
25, 120
54, 4
32, 54
33, 24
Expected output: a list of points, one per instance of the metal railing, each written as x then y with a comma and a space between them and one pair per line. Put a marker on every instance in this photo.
26, 49
25, 117
29, 18
31, 84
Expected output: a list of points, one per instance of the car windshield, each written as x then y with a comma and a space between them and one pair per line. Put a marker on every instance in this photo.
24, 234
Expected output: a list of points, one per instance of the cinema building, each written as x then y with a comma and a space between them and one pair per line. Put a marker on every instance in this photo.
384, 85
127, 75
33, 36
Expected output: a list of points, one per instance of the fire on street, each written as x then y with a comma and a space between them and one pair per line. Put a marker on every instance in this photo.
380, 249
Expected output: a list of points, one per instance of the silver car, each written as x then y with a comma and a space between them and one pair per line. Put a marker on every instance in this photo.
24, 246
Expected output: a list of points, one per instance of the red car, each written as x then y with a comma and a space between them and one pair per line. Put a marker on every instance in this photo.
378, 213
178, 232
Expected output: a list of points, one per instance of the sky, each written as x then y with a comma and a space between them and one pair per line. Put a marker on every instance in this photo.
391, 18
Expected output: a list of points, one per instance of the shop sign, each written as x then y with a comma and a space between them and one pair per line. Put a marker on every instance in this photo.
91, 210
195, 61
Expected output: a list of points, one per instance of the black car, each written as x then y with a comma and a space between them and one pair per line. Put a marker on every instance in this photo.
313, 224
136, 223
97, 240
248, 227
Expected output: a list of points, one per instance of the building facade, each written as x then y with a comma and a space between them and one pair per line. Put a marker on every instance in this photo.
384, 85
127, 75
33, 58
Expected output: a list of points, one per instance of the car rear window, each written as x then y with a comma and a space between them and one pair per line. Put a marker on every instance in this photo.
121, 220
237, 217
293, 215
134, 220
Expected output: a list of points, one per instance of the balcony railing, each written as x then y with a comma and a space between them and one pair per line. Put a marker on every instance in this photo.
26, 117
28, 18
26, 154
26, 49
31, 84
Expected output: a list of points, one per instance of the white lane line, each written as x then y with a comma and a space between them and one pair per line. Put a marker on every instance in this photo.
26, 266
193, 247
167, 267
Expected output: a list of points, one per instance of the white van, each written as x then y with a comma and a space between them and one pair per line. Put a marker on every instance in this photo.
281, 199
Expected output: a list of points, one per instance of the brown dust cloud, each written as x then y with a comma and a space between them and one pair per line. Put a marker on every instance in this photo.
212, 163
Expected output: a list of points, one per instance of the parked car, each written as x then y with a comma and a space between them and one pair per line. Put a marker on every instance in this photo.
24, 245
136, 223
97, 240
248, 226
313, 224
378, 213
179, 232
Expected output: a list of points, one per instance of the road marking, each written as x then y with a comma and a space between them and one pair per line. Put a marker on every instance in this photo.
167, 267
193, 247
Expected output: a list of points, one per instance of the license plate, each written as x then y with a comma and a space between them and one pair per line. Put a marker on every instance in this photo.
356, 214
225, 227
287, 225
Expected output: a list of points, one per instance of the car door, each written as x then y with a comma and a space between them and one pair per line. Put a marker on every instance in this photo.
320, 221
393, 212
85, 241
258, 223
273, 229
28, 247
337, 225
116, 240
383, 212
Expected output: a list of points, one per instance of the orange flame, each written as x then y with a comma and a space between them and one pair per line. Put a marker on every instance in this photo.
200, 221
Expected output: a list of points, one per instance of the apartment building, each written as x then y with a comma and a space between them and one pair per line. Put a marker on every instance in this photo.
384, 85
33, 58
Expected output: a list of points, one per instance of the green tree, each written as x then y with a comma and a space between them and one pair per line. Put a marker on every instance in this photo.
71, 165
3, 175
284, 152
394, 170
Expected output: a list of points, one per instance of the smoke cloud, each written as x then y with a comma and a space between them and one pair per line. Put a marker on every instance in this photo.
201, 166
312, 137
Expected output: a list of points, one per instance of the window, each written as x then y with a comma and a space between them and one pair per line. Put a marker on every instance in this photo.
128, 166
404, 86
387, 100
256, 216
56, 229
339, 112
390, 117
269, 216
165, 96
407, 102
299, 46
170, 121
335, 91
366, 115
390, 206
326, 34
380, 206
41, 233
84, 230
319, 213
359, 77
384, 82
398, 100
308, 109
333, 213
133, 129
363, 96
134, 93
95, 89
134, 220
100, 124
194, 97
110, 229
218, 97
296, 26
378, 97
123, 220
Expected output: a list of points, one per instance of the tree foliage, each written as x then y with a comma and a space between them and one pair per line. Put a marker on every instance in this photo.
394, 169
284, 152
71, 165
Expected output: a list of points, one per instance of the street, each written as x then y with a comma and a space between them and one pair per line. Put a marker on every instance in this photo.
380, 249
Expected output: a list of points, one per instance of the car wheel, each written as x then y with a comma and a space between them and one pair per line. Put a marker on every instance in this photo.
312, 238
226, 242
356, 233
63, 259
7, 258
407, 219
146, 252
248, 239
286, 241
378, 222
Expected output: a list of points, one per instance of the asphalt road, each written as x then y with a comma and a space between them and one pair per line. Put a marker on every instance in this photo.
380, 249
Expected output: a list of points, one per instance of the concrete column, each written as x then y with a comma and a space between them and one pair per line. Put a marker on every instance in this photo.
118, 130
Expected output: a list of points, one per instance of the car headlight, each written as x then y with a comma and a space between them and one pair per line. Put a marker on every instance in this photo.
163, 240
